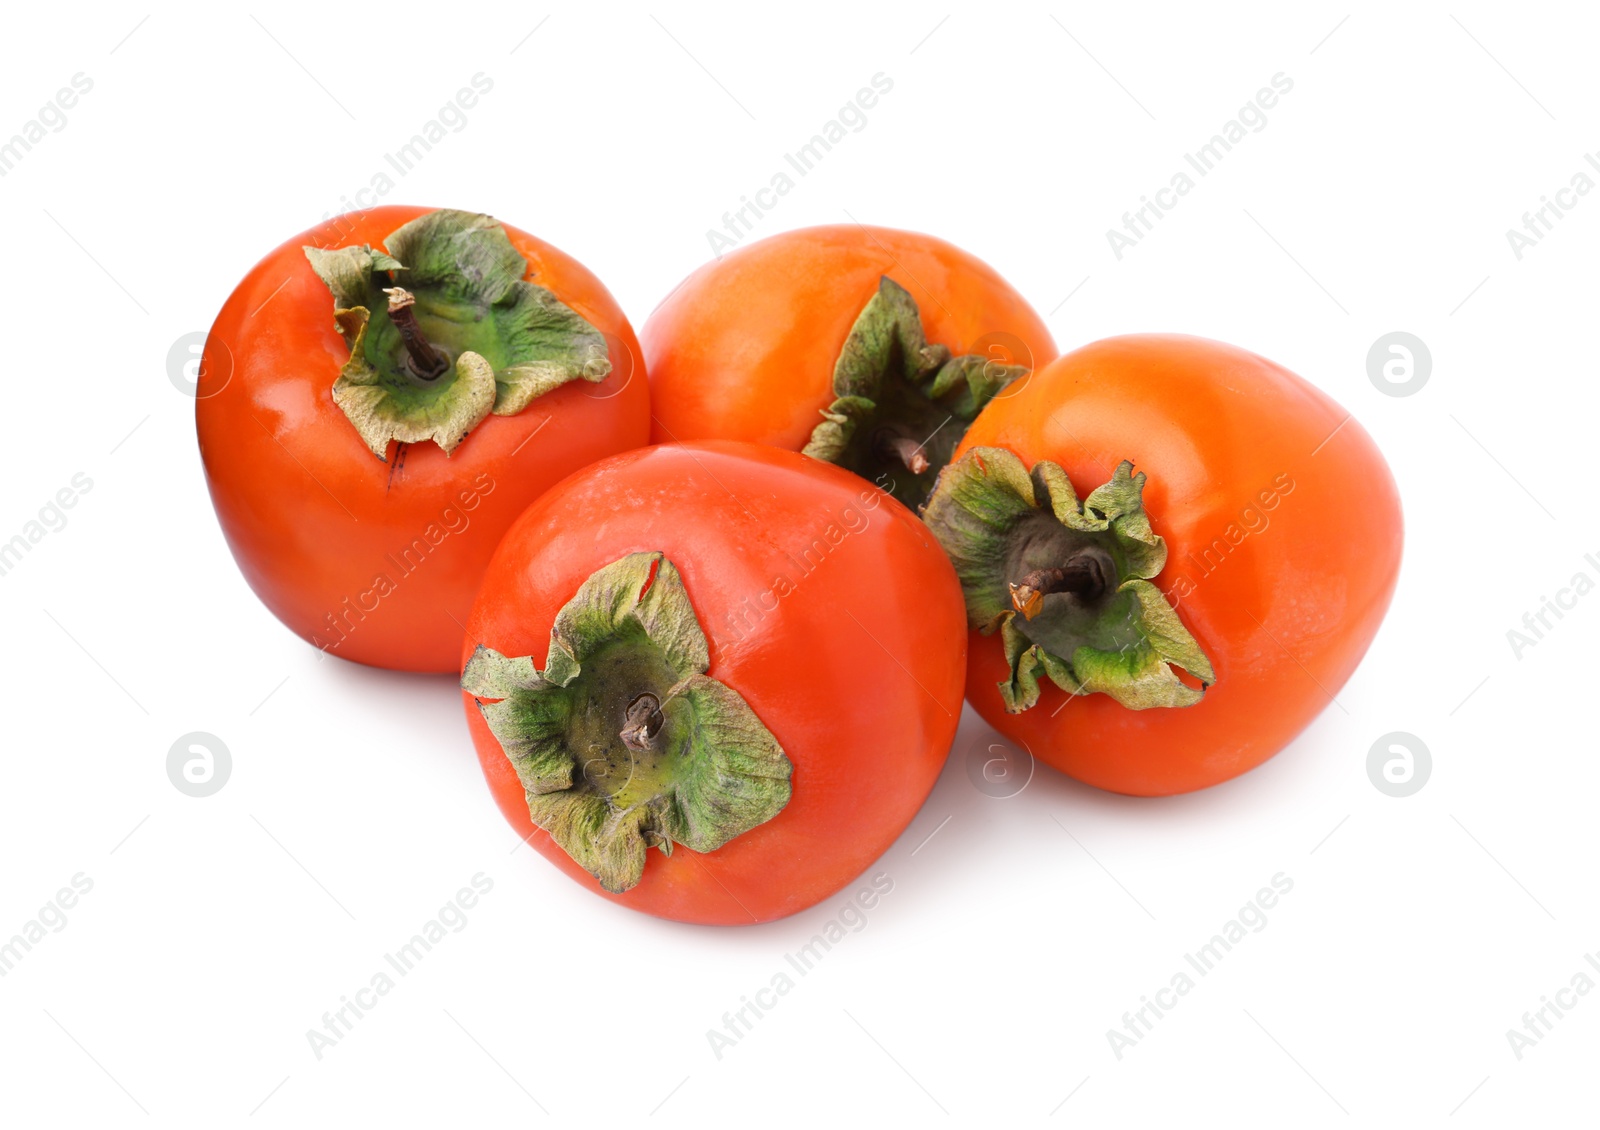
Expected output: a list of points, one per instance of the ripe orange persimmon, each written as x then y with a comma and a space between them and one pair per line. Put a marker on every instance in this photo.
1158, 635
747, 659
866, 347
379, 399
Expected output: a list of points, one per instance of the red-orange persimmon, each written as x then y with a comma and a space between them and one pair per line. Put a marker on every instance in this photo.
1174, 553
745, 658
362, 491
864, 346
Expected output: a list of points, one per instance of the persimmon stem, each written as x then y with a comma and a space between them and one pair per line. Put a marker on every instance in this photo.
644, 722
1083, 575
426, 361
895, 442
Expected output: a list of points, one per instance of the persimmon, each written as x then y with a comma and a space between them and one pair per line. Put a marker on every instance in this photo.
1173, 552
380, 398
748, 660
862, 346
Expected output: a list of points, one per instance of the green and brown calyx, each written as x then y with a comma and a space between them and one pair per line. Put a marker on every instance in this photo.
623, 743
901, 404
443, 331
1067, 583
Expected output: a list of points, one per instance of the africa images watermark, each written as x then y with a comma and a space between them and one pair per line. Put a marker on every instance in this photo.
51, 118
851, 118
50, 919
1539, 1023
1542, 220
451, 118
1140, 1022
851, 519
1251, 118
199, 764
344, 620
451, 919
1253, 520
50, 519
851, 919
1537, 623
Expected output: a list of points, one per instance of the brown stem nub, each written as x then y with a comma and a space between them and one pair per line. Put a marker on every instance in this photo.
1083, 575
426, 361
905, 449
644, 721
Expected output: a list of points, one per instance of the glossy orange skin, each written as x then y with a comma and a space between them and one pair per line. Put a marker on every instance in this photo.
867, 734
315, 520
745, 347
1285, 613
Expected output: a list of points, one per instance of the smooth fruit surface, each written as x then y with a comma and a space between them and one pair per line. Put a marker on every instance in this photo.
378, 561
746, 347
1283, 534
830, 610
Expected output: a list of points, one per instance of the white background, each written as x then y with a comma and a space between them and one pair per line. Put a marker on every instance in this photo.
219, 930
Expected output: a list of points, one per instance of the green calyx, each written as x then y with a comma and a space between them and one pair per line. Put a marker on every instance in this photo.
1067, 583
622, 742
901, 404
443, 330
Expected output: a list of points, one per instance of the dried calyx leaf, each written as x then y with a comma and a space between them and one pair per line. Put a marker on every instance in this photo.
1067, 583
622, 742
490, 342
901, 403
